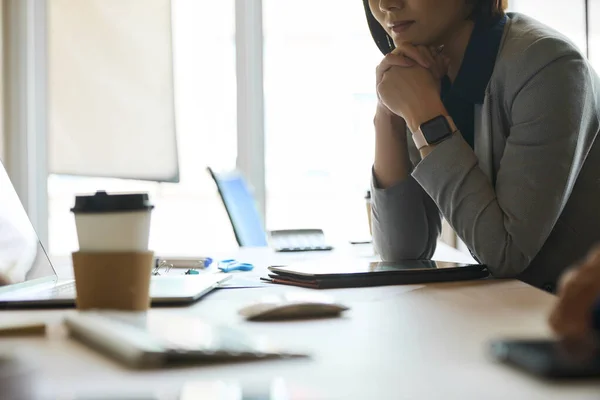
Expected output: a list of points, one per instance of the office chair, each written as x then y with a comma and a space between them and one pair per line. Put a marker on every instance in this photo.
247, 223
241, 208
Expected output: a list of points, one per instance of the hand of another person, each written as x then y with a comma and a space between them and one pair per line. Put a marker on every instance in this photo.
579, 290
412, 91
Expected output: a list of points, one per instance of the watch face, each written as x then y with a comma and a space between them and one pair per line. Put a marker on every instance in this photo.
436, 130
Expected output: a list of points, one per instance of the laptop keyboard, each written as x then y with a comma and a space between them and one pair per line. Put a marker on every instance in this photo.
62, 290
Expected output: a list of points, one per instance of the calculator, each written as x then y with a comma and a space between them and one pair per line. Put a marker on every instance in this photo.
290, 240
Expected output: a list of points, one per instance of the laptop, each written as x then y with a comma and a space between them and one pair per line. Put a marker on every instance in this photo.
33, 281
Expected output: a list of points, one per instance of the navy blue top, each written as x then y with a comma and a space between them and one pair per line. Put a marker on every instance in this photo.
474, 74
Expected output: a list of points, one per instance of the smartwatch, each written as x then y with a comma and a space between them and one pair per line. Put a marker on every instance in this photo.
434, 131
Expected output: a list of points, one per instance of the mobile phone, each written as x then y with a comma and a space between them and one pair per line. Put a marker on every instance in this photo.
554, 359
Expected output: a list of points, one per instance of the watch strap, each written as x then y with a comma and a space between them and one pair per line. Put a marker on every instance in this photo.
419, 137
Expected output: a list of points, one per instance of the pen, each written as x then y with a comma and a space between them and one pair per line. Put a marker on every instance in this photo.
180, 262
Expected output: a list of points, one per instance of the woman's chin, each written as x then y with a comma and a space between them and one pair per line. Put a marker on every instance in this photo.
412, 39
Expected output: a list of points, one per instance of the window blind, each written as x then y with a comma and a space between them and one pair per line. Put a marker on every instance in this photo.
110, 85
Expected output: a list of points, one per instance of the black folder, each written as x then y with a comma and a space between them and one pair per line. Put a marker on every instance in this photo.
325, 274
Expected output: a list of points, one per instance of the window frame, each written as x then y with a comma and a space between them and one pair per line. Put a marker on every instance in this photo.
250, 98
25, 32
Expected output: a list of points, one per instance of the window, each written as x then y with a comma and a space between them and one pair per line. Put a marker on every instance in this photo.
594, 33
188, 217
320, 101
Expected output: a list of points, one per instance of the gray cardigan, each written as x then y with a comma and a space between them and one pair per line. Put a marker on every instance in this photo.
526, 201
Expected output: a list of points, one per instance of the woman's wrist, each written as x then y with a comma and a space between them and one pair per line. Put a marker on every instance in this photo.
384, 116
420, 115
391, 164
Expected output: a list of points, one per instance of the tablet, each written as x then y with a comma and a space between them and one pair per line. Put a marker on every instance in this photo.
324, 269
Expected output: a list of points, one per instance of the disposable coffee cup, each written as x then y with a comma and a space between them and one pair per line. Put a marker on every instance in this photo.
113, 266
113, 222
368, 204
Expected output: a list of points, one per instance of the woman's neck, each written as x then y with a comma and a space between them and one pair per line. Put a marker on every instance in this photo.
455, 46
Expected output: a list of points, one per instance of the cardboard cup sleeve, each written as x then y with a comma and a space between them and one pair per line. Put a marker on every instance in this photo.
113, 280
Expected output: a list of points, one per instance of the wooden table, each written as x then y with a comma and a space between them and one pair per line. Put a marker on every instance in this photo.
396, 342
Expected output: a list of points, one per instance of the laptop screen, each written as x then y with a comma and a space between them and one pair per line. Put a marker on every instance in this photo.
22, 256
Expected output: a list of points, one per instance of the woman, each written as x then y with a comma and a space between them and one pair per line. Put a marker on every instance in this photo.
489, 120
